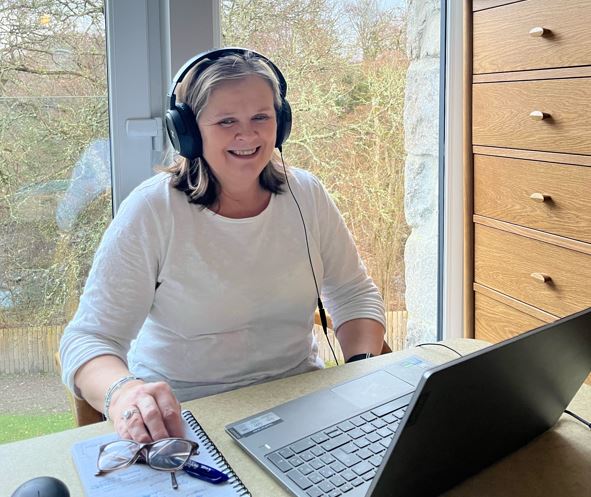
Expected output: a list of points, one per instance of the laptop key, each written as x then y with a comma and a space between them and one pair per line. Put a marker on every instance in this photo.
356, 482
302, 445
368, 428
332, 432
286, 453
319, 437
315, 492
279, 461
325, 486
326, 472
348, 475
400, 412
337, 466
327, 459
385, 409
345, 458
375, 460
299, 479
384, 432
378, 423
317, 451
390, 418
334, 493
362, 468
372, 437
349, 447
317, 464
346, 426
368, 416
333, 443
315, 478
305, 469
369, 476
385, 442
357, 421
361, 442
338, 480
296, 461
307, 455
356, 433
376, 448
364, 453
346, 487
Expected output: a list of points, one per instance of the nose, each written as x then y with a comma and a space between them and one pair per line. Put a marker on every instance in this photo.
245, 131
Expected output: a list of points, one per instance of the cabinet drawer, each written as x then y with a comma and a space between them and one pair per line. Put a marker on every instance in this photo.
512, 264
502, 41
503, 189
501, 115
496, 321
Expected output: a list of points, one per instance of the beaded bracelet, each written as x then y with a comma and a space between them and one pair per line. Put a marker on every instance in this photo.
116, 385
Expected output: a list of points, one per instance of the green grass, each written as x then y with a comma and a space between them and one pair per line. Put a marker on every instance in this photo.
15, 427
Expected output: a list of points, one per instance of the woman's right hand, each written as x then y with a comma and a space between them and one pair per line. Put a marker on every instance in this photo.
145, 412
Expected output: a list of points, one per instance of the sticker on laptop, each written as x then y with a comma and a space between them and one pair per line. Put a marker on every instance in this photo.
255, 425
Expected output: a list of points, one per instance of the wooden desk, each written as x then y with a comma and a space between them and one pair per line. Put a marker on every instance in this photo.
556, 463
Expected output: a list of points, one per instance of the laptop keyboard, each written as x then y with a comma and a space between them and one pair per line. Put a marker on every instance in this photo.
337, 459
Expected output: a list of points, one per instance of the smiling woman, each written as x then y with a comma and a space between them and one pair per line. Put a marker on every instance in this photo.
238, 130
216, 281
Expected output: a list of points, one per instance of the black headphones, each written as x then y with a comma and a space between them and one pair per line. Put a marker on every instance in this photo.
181, 123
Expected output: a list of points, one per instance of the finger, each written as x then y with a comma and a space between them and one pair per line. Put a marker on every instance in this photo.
152, 418
171, 414
134, 423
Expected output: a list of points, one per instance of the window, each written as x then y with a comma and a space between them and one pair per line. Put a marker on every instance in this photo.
363, 79
55, 175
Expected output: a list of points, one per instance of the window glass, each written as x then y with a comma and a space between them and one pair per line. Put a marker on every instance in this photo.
347, 65
55, 199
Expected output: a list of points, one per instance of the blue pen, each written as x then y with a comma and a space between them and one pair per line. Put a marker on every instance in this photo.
203, 472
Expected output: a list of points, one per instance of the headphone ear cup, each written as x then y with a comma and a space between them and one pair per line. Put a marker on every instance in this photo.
283, 123
183, 131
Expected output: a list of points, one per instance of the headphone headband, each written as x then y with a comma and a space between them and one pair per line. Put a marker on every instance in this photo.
213, 55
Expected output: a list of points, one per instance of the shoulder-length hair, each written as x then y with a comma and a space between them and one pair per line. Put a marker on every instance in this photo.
195, 177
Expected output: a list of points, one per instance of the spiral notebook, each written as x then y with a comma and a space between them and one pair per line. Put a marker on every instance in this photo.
141, 481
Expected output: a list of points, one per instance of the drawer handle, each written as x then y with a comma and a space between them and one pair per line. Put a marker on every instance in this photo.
539, 197
538, 115
541, 277
538, 31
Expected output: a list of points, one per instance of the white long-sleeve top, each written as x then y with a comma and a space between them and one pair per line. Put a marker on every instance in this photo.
208, 303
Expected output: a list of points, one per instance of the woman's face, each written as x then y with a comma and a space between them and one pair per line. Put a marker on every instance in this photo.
238, 128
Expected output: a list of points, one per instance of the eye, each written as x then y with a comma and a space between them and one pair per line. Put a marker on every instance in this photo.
226, 122
262, 117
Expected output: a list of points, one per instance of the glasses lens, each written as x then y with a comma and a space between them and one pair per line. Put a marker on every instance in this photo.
117, 454
169, 454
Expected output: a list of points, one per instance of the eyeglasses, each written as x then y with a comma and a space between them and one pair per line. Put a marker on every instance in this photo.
168, 454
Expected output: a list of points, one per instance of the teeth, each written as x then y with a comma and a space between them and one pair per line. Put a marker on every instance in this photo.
244, 152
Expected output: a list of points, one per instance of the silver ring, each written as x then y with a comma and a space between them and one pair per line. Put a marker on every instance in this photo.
128, 413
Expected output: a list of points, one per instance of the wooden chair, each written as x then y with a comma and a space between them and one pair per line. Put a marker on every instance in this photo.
84, 413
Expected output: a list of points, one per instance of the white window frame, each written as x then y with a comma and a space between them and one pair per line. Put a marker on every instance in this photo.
147, 42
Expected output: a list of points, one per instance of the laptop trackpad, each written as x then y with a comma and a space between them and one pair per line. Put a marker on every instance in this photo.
372, 389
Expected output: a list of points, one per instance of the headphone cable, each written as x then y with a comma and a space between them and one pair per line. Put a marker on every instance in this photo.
321, 310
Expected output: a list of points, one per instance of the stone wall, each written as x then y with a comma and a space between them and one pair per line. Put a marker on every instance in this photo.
421, 125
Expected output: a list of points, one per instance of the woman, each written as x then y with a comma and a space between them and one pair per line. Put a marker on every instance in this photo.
203, 281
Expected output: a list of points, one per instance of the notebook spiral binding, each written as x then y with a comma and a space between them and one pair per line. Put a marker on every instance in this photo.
219, 458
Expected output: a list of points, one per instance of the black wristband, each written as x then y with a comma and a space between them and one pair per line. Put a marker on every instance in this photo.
359, 357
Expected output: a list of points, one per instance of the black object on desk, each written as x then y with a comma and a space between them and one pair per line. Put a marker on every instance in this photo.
42, 486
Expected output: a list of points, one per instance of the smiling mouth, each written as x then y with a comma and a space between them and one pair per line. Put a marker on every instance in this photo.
244, 153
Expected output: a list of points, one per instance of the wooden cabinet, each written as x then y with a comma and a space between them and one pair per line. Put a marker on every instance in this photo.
528, 163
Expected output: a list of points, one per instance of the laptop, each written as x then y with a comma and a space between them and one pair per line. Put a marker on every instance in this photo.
414, 429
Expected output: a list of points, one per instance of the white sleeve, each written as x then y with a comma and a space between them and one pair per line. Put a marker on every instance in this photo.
119, 290
348, 291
